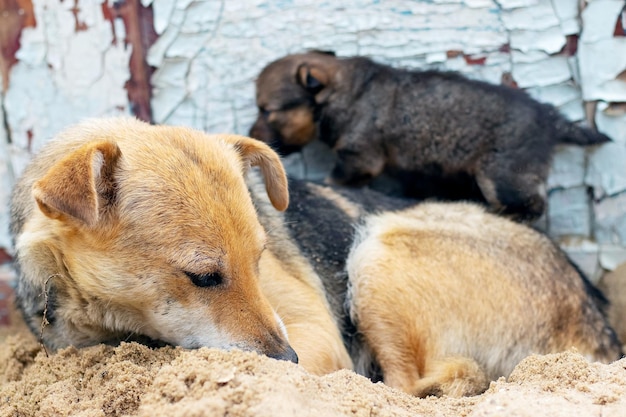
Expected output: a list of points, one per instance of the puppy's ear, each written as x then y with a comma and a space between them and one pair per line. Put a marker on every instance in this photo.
257, 153
77, 185
312, 78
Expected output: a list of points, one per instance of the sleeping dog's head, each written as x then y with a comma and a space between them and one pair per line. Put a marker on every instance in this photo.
288, 92
149, 230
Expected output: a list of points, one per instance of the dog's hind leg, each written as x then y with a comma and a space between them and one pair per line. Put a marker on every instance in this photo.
454, 376
403, 317
406, 365
406, 355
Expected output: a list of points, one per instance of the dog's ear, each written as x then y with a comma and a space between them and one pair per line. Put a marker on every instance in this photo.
78, 184
312, 78
257, 153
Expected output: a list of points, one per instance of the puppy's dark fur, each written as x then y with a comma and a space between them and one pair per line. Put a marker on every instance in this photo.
439, 133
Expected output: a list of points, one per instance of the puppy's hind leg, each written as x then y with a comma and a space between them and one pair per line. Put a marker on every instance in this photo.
454, 376
400, 306
407, 359
419, 374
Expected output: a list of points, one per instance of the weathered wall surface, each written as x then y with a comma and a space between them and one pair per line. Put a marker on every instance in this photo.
69, 66
567, 52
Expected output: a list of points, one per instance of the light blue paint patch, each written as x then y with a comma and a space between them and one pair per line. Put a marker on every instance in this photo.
402, 12
278, 4
569, 212
620, 229
610, 220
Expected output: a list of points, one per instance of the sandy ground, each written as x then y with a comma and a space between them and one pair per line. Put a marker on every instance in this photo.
133, 380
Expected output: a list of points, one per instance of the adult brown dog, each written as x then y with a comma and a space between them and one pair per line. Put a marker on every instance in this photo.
129, 231
438, 133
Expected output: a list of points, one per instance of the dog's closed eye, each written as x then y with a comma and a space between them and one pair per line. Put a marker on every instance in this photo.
212, 279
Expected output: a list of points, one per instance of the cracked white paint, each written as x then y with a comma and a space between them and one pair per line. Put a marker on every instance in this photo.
567, 13
549, 40
604, 55
568, 168
612, 256
538, 17
542, 72
610, 220
613, 125
61, 77
209, 53
513, 4
569, 213
605, 172
566, 96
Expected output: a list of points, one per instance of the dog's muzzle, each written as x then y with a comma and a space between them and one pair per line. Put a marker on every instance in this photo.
263, 132
287, 355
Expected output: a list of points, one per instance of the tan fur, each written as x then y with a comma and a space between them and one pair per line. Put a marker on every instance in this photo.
124, 229
437, 290
297, 294
348, 207
312, 330
297, 123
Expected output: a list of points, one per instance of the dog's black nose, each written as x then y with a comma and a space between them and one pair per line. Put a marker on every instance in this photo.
287, 355
291, 355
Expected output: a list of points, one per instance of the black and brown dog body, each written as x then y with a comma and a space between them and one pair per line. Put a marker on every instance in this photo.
394, 252
439, 133
153, 232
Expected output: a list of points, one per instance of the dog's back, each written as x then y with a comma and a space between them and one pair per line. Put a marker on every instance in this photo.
471, 284
450, 109
467, 296
442, 128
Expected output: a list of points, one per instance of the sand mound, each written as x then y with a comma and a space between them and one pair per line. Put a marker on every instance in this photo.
134, 380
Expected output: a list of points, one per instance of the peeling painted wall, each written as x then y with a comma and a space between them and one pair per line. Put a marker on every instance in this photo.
67, 68
566, 52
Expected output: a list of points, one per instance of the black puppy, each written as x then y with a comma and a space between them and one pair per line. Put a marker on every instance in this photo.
439, 133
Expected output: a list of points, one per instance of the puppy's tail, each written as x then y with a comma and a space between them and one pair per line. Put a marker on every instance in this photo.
573, 134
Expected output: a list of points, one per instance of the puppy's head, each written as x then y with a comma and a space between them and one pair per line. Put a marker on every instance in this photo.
158, 235
288, 93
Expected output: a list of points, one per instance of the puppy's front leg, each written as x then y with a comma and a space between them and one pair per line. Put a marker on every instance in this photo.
311, 328
358, 160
